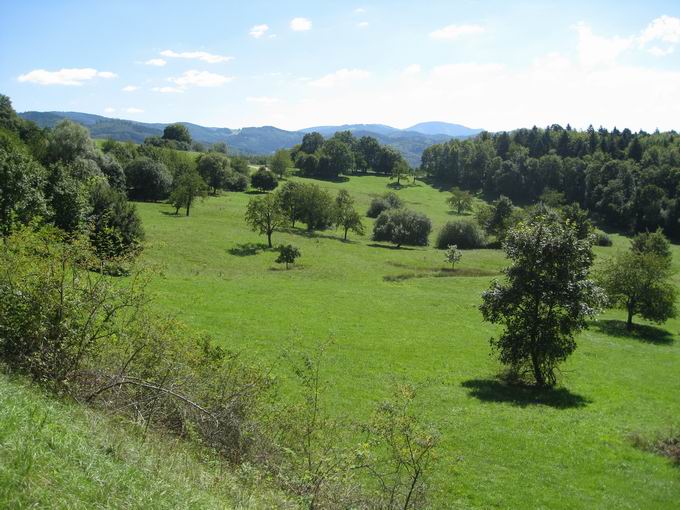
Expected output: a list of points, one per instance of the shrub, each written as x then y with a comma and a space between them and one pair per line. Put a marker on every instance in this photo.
387, 201
264, 180
602, 239
147, 179
464, 234
402, 226
235, 181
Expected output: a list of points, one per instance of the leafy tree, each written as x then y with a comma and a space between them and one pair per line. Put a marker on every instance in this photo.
639, 280
336, 158
317, 208
400, 170
147, 179
281, 162
69, 141
460, 200
239, 165
188, 187
498, 218
264, 215
453, 255
115, 227
67, 198
287, 254
291, 198
402, 227
235, 181
578, 219
220, 147
346, 216
21, 190
264, 180
177, 132
466, 235
546, 299
214, 168
311, 142
389, 200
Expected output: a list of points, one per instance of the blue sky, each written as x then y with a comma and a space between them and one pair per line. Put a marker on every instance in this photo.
490, 64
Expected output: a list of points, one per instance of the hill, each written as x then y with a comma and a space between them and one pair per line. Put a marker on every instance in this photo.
410, 142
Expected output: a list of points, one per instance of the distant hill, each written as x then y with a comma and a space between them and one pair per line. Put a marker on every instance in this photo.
265, 139
443, 128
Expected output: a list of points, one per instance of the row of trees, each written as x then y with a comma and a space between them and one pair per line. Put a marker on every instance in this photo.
343, 153
625, 180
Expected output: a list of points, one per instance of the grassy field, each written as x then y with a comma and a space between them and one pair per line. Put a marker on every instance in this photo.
395, 315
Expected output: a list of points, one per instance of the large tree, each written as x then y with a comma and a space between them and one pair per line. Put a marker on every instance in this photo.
639, 280
264, 215
147, 179
189, 186
281, 163
177, 132
546, 298
214, 168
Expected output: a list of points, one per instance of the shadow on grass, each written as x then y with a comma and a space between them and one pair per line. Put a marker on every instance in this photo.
247, 249
641, 332
172, 214
316, 235
441, 273
255, 192
494, 390
389, 247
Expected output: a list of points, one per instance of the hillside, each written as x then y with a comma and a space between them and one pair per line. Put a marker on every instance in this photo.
410, 142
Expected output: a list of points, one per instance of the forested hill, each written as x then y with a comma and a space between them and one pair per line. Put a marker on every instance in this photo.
627, 181
261, 140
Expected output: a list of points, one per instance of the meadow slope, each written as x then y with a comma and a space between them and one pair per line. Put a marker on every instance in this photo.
395, 315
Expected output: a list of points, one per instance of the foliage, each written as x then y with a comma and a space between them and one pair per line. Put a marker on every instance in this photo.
264, 180
497, 218
466, 235
346, 216
147, 179
460, 200
602, 239
547, 297
452, 255
402, 226
389, 200
189, 186
264, 215
177, 132
235, 181
287, 254
291, 198
214, 168
316, 208
281, 162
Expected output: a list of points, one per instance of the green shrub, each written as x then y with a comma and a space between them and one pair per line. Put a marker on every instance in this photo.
464, 234
387, 201
264, 180
402, 226
602, 239
235, 181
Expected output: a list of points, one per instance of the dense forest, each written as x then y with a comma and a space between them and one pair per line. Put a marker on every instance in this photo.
627, 181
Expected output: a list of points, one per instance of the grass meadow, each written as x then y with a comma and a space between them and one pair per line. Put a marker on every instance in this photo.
399, 315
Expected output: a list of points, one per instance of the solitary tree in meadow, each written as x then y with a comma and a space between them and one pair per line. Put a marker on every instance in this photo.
453, 255
287, 254
460, 200
281, 163
546, 298
189, 187
346, 216
264, 215
400, 170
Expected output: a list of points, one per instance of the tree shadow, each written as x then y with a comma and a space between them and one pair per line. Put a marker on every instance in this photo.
172, 214
389, 247
451, 212
255, 192
247, 249
641, 332
494, 390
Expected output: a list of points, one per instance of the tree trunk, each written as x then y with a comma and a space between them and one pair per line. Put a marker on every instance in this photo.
269, 238
629, 322
538, 375
346, 229
188, 206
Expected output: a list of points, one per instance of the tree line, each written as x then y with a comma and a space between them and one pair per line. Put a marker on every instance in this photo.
625, 180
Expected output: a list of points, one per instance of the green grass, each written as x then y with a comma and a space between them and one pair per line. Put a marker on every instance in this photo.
500, 448
56, 455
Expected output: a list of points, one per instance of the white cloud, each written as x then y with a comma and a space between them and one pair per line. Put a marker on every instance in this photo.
262, 99
452, 32
109, 109
130, 88
134, 110
195, 78
71, 76
664, 29
362, 24
359, 10
598, 50
168, 90
158, 62
197, 55
300, 24
258, 30
340, 77
412, 69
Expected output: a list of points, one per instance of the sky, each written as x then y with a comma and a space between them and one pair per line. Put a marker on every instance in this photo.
495, 65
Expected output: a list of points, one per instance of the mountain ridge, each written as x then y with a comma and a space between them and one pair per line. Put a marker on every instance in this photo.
260, 139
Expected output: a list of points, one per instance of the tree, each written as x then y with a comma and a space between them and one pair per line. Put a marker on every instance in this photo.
69, 141
147, 179
336, 158
311, 142
214, 168
21, 189
400, 170
287, 254
177, 132
497, 218
281, 163
316, 210
639, 280
346, 216
264, 180
460, 200
190, 185
264, 215
453, 255
240, 165
389, 200
402, 226
546, 298
291, 198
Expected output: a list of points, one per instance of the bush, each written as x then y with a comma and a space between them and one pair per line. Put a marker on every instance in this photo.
387, 201
235, 181
402, 226
602, 239
264, 180
464, 234
147, 179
